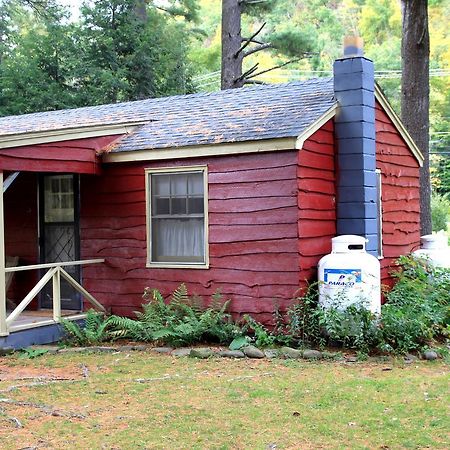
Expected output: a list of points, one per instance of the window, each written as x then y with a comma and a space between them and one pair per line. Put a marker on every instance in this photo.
380, 214
58, 192
177, 217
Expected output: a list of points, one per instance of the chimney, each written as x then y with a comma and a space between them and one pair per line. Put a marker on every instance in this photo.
354, 85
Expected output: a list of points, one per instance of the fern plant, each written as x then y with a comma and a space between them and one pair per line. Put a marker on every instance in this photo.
94, 330
182, 321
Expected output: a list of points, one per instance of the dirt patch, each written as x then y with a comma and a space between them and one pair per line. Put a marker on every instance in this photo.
15, 373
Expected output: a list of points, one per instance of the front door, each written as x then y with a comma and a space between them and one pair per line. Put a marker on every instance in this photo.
59, 233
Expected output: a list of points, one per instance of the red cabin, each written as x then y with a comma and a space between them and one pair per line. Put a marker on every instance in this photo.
236, 191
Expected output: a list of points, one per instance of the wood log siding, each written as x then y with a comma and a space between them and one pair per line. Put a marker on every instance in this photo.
316, 200
253, 230
400, 194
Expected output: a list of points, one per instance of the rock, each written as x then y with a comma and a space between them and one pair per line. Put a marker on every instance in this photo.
6, 351
290, 353
312, 354
332, 355
351, 359
201, 353
163, 350
181, 352
132, 348
430, 355
271, 353
103, 349
231, 354
409, 358
74, 350
252, 352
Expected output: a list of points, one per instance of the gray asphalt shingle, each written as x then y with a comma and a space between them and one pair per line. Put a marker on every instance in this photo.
255, 113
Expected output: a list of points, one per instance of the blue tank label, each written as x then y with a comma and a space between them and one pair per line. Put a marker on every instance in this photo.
342, 277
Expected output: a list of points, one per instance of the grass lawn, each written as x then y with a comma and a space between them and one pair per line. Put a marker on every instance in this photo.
145, 401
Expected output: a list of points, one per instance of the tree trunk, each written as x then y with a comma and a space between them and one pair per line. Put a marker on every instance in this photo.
416, 92
231, 43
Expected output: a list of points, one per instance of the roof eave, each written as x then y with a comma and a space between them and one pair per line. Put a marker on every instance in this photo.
67, 134
315, 126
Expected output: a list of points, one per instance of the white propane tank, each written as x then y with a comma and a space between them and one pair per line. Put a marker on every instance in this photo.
434, 247
349, 275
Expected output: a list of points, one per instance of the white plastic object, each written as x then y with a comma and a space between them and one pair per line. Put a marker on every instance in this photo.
434, 247
349, 275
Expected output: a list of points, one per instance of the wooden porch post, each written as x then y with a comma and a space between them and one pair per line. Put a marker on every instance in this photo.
3, 326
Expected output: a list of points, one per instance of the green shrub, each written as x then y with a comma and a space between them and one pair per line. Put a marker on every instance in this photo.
182, 321
440, 211
417, 310
94, 330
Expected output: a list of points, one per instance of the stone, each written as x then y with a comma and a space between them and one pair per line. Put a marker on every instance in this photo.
181, 352
103, 349
201, 353
252, 352
231, 354
410, 358
6, 351
271, 353
163, 350
430, 355
332, 355
351, 359
132, 348
290, 353
312, 354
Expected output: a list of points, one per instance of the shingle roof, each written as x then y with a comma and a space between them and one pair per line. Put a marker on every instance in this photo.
261, 112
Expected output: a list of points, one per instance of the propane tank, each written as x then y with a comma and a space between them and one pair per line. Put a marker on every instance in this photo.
434, 247
349, 275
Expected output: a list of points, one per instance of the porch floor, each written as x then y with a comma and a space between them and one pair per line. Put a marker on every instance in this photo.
41, 317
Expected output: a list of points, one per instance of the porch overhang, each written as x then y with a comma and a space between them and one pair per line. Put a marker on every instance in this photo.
73, 156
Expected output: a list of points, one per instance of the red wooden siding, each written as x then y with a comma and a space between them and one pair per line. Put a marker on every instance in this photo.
76, 156
400, 193
253, 226
316, 200
21, 231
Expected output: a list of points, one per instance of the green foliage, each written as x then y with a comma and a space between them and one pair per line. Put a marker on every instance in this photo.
353, 327
417, 308
32, 353
304, 319
440, 211
94, 330
239, 342
182, 321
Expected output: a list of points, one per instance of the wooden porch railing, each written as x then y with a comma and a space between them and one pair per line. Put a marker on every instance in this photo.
54, 273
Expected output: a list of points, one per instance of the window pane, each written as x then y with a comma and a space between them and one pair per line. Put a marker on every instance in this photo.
179, 205
178, 240
179, 184
162, 206
58, 199
195, 205
195, 183
161, 184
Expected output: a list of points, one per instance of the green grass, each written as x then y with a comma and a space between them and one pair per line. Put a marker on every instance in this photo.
225, 404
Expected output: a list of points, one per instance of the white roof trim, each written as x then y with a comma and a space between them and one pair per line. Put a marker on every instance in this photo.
398, 124
315, 126
234, 148
67, 134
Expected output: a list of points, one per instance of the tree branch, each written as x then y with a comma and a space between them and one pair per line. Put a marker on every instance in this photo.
272, 68
257, 49
250, 40
247, 73
254, 41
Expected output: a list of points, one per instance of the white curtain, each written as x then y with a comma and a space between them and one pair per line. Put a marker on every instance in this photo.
182, 238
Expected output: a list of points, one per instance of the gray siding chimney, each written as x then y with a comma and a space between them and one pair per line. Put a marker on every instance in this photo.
354, 86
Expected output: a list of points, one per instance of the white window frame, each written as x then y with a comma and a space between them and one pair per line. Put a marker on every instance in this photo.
380, 212
148, 196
